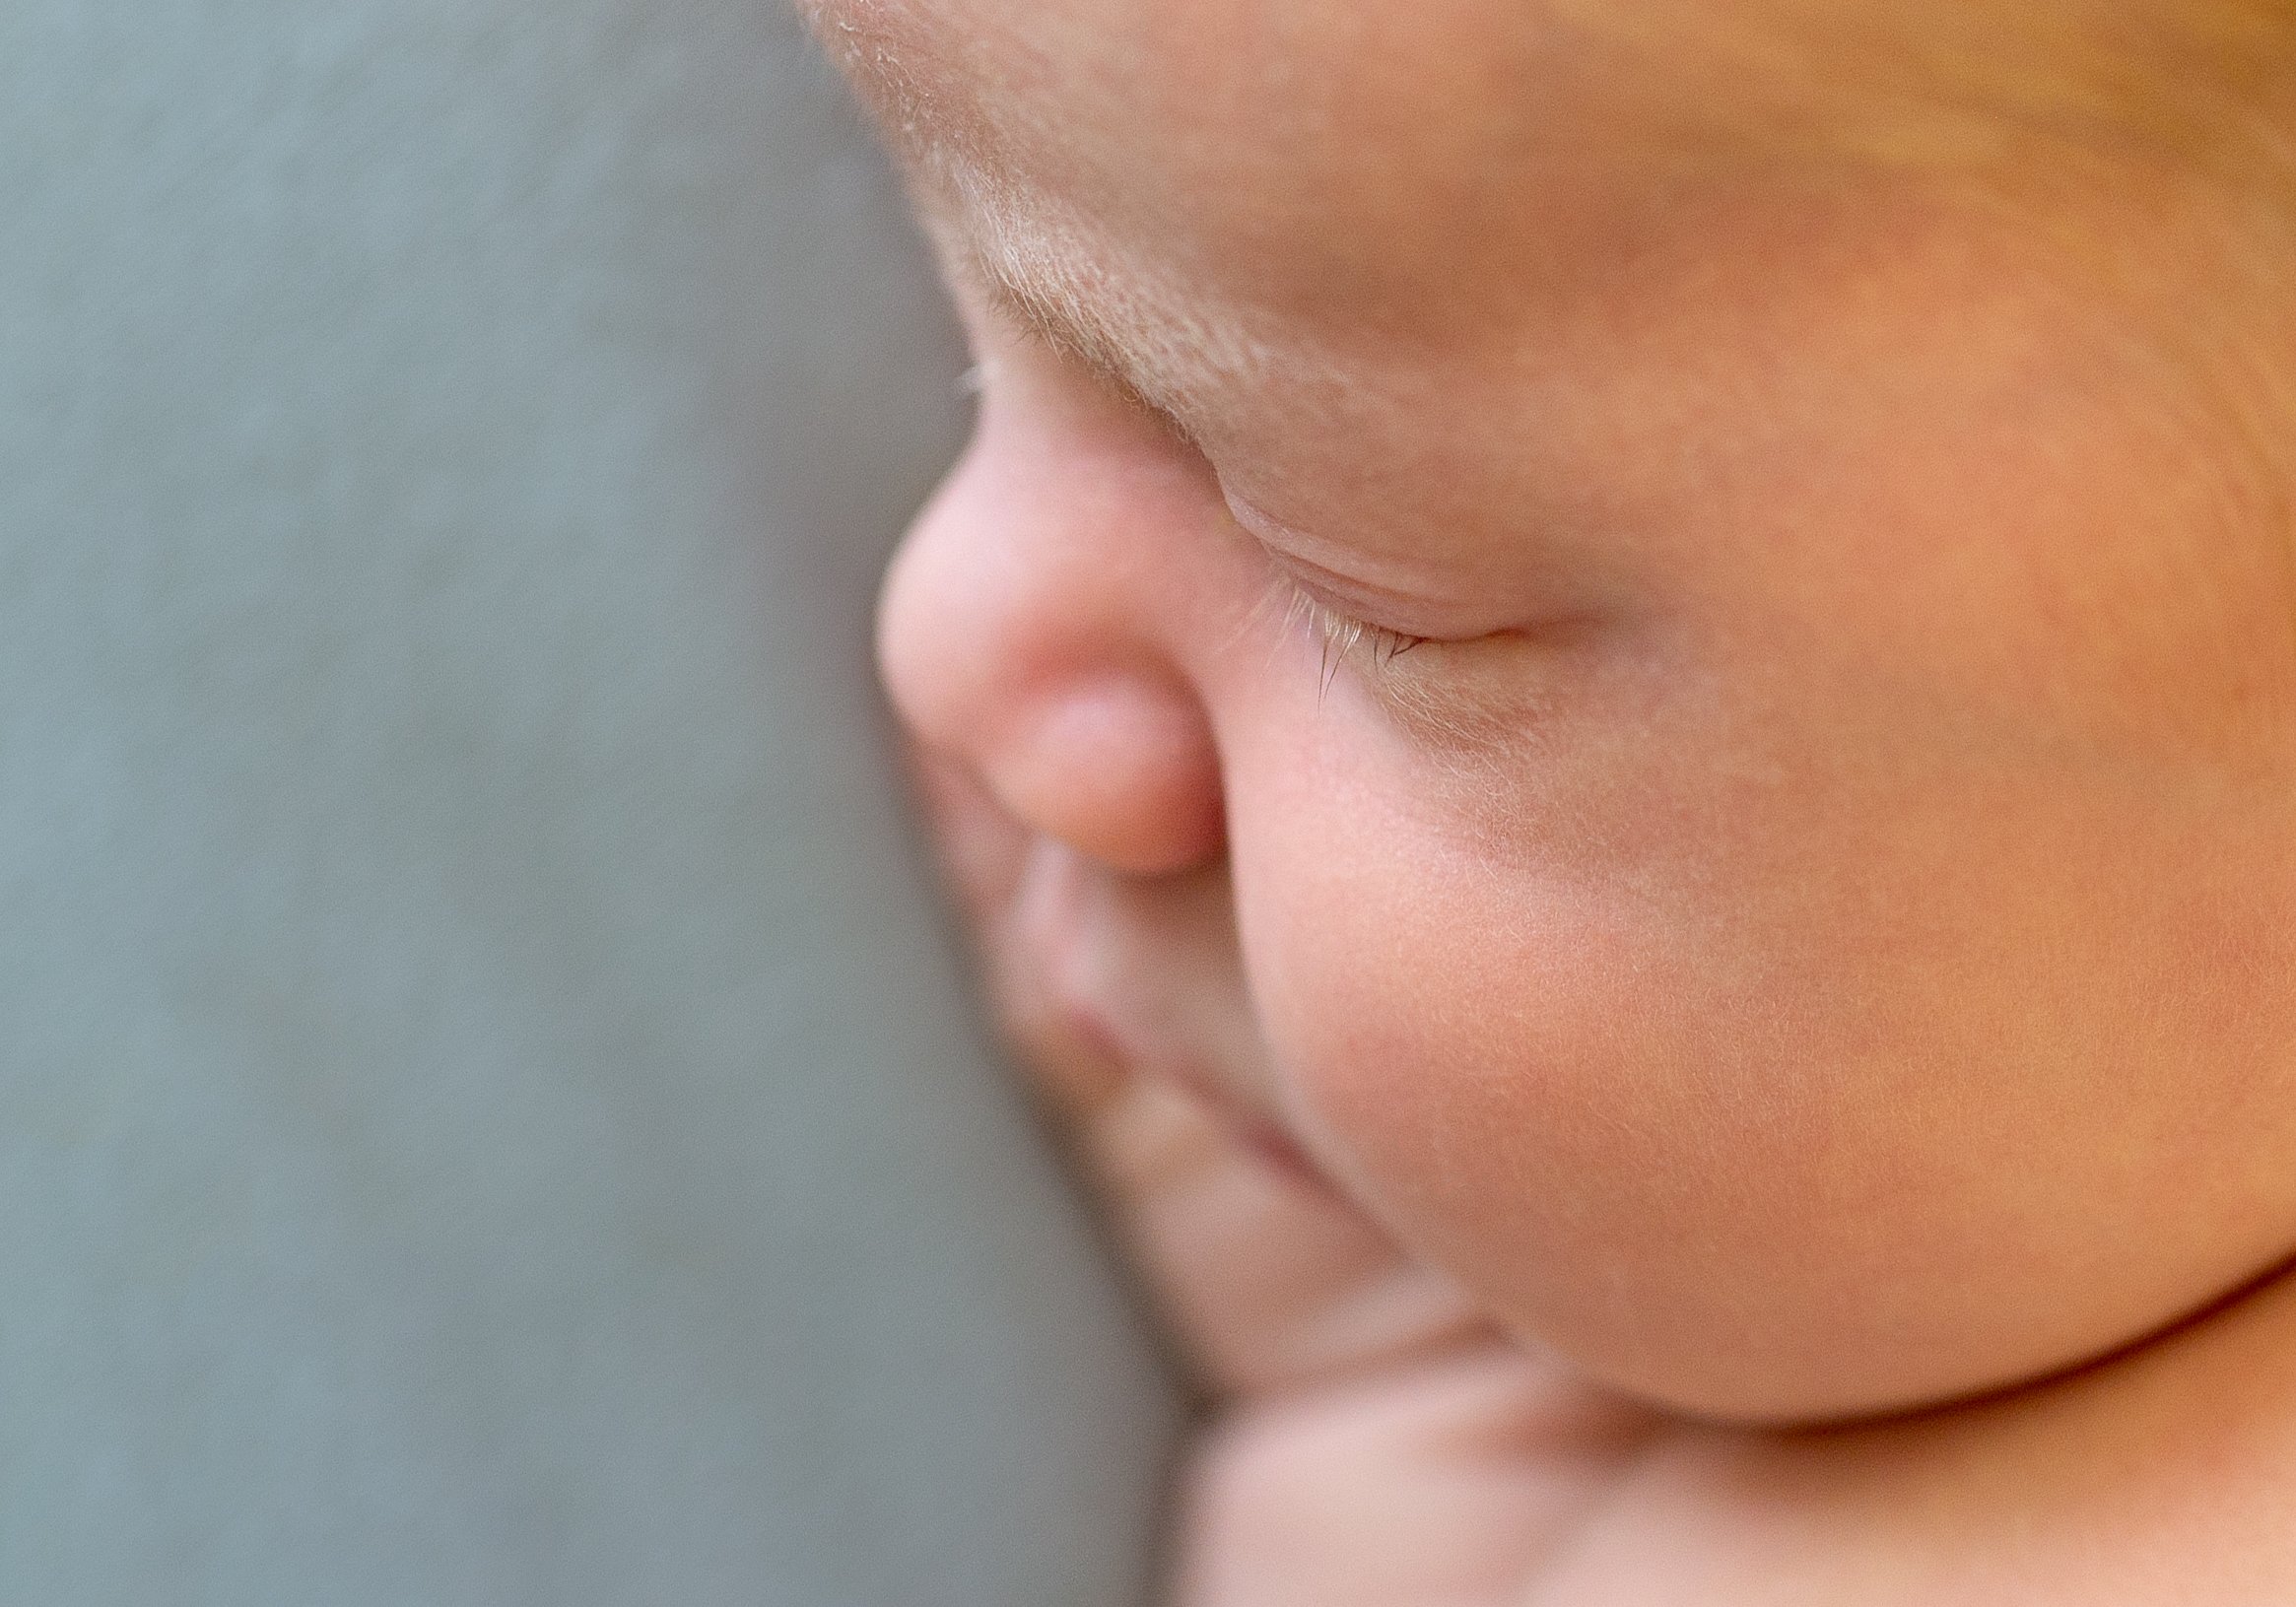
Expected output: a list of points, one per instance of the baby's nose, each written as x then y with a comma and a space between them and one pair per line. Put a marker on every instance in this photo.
1024, 631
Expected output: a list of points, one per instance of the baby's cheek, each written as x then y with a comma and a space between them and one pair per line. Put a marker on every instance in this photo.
1468, 1054
1546, 1088
1730, 1142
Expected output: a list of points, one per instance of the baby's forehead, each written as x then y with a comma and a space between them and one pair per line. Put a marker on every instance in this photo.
1355, 151
1375, 98
1227, 191
1305, 152
1458, 172
1095, 61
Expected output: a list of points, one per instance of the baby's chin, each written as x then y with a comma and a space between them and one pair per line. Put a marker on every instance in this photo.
1714, 1361
1716, 1310
1775, 1261
1758, 1358
1803, 1385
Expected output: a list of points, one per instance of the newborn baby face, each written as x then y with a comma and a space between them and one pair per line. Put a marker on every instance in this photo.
1729, 722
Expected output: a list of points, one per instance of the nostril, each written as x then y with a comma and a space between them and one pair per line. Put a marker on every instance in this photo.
1116, 760
1013, 635
1122, 772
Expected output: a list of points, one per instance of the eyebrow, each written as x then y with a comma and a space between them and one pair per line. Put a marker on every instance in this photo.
1061, 315
1159, 359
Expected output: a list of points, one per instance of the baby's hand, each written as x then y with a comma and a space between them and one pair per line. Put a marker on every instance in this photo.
1373, 1440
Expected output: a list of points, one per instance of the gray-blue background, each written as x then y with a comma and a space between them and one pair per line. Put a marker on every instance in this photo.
487, 1113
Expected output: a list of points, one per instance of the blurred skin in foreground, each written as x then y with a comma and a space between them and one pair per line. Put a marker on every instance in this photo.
1621, 721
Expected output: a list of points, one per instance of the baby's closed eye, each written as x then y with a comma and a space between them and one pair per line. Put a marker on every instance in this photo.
1342, 639
1456, 699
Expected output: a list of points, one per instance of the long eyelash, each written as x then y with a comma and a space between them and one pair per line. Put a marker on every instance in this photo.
1337, 635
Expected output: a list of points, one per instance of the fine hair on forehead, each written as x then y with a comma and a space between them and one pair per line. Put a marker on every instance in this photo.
2206, 85
2182, 112
2014, 106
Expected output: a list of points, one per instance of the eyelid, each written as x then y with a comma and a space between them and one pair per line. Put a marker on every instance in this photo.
1369, 607
1341, 635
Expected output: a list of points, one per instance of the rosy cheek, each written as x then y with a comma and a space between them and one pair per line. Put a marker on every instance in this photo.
1480, 1037
1421, 1013
1488, 1062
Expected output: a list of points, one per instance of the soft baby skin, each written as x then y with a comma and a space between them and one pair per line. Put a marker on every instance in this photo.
1666, 682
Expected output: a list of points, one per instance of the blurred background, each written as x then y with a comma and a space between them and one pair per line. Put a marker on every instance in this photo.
489, 1111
